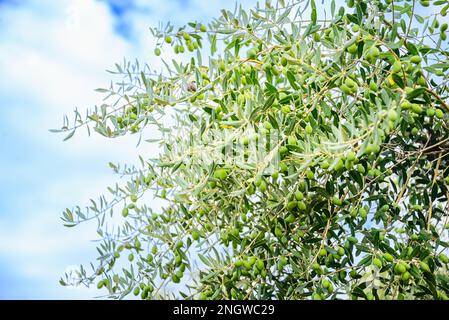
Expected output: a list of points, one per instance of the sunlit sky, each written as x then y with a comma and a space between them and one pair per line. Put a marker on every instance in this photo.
52, 55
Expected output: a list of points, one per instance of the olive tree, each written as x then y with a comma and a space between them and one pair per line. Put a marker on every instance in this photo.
303, 153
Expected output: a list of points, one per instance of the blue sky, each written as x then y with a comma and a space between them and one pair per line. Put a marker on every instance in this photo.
52, 55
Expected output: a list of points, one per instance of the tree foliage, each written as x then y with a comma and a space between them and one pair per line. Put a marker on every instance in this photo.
306, 157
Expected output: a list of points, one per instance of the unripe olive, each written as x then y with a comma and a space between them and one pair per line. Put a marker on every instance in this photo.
363, 213
125, 212
100, 284
301, 205
252, 54
396, 67
220, 174
291, 205
405, 276
415, 59
352, 49
263, 186
309, 129
175, 278
439, 113
443, 258
392, 115
337, 201
316, 296
377, 262
424, 267
345, 89
361, 168
350, 156
352, 239
195, 235
323, 252
299, 195
373, 52
430, 112
400, 268
309, 174
388, 257
422, 81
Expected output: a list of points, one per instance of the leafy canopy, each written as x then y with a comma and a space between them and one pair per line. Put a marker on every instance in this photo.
303, 154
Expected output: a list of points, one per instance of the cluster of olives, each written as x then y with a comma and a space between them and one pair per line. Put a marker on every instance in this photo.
184, 39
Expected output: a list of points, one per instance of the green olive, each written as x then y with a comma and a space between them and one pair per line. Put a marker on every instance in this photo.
309, 129
352, 49
388, 257
252, 54
439, 113
299, 195
415, 59
220, 174
396, 67
292, 205
424, 267
377, 262
392, 115
337, 201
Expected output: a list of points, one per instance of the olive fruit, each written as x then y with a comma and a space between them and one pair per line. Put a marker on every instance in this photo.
392, 115
352, 49
341, 251
157, 52
415, 59
337, 201
400, 268
299, 195
263, 186
396, 67
424, 267
377, 262
175, 278
388, 257
292, 205
309, 129
405, 276
168, 39
252, 53
439, 113
309, 174
220, 174
195, 235
125, 212
443, 258
301, 205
